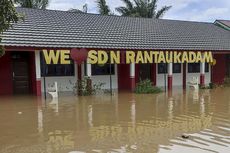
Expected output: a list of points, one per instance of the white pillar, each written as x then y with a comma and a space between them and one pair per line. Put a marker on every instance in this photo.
170, 69
38, 65
170, 72
202, 68
132, 70
88, 69
132, 76
202, 73
38, 73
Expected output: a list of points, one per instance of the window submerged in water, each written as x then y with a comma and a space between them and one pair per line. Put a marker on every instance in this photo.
103, 69
56, 69
163, 68
195, 67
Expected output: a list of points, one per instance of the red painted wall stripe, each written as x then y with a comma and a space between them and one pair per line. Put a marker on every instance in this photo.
6, 77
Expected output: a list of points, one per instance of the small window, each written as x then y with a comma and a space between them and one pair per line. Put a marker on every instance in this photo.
176, 67
56, 69
103, 69
195, 67
162, 68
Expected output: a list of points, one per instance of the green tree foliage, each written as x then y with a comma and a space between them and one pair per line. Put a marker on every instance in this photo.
103, 8
142, 8
38, 4
84, 9
8, 15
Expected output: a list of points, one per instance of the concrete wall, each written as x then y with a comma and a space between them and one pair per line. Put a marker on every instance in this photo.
178, 77
106, 79
207, 76
67, 83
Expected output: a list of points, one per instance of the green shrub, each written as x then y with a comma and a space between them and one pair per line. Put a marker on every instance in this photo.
146, 87
83, 89
210, 86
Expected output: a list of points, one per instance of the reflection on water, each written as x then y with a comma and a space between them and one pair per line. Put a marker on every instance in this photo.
124, 122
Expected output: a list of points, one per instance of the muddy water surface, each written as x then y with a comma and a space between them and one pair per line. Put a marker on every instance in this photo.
122, 123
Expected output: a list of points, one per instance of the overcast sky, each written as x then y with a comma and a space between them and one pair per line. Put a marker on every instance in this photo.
193, 10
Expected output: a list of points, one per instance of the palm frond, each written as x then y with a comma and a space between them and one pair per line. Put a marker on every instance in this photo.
123, 11
128, 4
162, 11
152, 6
103, 7
39, 4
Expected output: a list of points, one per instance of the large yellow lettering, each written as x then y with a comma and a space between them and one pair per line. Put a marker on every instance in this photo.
161, 57
65, 56
184, 57
115, 57
168, 56
130, 56
155, 54
51, 57
208, 57
102, 57
199, 57
177, 57
139, 57
192, 57
147, 57
92, 57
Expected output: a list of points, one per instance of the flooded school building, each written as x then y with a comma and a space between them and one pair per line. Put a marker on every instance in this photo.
24, 71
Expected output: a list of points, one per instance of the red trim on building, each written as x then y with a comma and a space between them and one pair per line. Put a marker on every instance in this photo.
6, 75
123, 76
79, 74
170, 82
137, 73
32, 73
153, 73
219, 70
38, 88
202, 79
184, 75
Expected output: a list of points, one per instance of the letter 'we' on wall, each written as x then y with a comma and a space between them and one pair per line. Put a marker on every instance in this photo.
57, 57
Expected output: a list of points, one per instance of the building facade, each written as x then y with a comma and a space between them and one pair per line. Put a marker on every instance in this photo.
23, 70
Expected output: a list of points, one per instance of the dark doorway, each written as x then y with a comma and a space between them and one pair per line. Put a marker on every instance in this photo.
20, 72
123, 76
144, 71
227, 65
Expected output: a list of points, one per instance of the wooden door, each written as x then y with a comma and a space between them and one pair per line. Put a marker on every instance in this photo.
123, 76
20, 73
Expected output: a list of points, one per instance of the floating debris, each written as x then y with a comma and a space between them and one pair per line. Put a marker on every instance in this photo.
185, 136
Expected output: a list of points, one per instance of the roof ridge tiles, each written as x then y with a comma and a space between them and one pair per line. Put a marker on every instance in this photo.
117, 16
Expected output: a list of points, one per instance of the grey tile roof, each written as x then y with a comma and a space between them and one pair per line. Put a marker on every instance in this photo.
49, 28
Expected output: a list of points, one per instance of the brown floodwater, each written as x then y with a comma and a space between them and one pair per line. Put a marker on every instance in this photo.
121, 123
